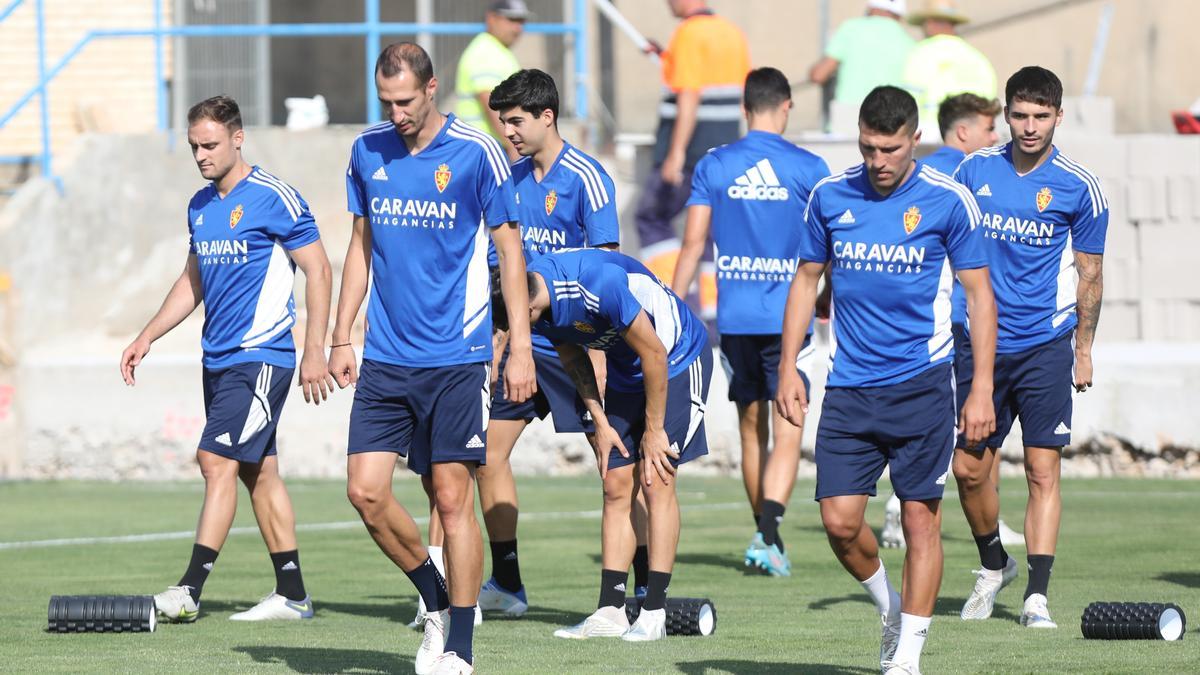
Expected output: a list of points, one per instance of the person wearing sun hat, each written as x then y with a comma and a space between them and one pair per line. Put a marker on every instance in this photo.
944, 64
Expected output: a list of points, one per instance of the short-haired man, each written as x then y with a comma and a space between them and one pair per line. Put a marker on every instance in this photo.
565, 200
1045, 218
424, 189
967, 123
648, 422
248, 232
893, 233
751, 195
855, 52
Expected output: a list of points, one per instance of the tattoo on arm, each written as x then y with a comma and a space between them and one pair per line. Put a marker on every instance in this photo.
579, 367
1089, 296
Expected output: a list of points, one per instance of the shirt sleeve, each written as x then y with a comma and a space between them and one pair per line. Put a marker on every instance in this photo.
610, 284
701, 182
841, 43
494, 184
1089, 227
814, 242
601, 223
964, 244
356, 195
687, 58
294, 225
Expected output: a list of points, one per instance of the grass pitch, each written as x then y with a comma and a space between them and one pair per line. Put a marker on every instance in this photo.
1133, 540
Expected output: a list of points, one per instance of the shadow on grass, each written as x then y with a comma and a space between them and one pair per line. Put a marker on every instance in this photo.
547, 615
737, 667
325, 660
952, 606
826, 603
1189, 579
399, 611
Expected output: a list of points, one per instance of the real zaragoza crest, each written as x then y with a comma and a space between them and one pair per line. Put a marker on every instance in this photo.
236, 216
441, 177
551, 200
912, 218
1043, 199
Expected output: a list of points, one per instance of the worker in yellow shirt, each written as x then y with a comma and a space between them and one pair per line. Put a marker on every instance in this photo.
487, 61
704, 69
943, 64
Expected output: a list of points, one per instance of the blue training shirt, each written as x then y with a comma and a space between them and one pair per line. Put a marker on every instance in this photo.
946, 159
595, 294
891, 263
757, 189
241, 243
428, 214
1032, 225
574, 206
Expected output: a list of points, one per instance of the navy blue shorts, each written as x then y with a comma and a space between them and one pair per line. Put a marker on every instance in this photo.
909, 427
1035, 386
556, 395
683, 422
242, 404
428, 415
751, 364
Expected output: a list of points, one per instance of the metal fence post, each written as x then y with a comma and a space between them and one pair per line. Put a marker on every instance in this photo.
371, 17
581, 59
160, 83
45, 99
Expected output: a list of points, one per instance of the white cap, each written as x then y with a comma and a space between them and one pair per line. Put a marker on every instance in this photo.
896, 7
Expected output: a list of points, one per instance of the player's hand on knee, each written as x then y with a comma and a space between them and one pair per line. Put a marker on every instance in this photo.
315, 380
1083, 371
791, 397
656, 456
343, 366
132, 357
520, 379
607, 439
978, 418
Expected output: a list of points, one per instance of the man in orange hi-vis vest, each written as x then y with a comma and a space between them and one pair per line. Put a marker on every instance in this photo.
704, 69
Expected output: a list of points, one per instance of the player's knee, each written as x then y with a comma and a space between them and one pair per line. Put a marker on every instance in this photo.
366, 499
659, 494
841, 527
618, 489
1041, 478
969, 472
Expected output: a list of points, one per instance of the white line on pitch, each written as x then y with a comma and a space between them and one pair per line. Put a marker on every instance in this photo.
316, 527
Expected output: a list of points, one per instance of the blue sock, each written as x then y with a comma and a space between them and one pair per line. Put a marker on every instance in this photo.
431, 586
462, 629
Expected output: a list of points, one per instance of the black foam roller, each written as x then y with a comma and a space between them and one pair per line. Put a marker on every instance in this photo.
101, 614
1133, 621
685, 616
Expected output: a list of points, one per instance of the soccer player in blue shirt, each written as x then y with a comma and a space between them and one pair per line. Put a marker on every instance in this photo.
1044, 223
565, 200
425, 189
894, 233
751, 195
248, 232
649, 420
967, 123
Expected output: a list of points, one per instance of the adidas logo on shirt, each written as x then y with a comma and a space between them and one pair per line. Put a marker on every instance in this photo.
379, 174
1062, 428
199, 220
847, 217
758, 183
224, 440
475, 442
985, 191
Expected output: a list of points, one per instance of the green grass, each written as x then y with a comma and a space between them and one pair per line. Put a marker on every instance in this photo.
1122, 540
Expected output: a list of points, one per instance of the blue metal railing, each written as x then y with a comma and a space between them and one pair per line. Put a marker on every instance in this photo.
371, 29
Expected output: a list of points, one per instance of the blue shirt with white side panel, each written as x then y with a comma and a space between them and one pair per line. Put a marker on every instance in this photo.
241, 243
946, 159
595, 294
757, 188
1031, 227
429, 214
892, 261
574, 206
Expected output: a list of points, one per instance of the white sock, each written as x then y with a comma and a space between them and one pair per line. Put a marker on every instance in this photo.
887, 600
913, 631
435, 554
